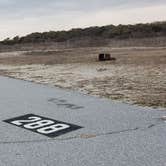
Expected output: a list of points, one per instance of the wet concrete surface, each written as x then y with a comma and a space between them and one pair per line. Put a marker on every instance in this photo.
112, 133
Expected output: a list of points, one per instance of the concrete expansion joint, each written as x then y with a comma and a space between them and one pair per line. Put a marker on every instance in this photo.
84, 136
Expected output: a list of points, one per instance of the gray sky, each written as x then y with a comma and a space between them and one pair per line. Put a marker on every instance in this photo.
20, 17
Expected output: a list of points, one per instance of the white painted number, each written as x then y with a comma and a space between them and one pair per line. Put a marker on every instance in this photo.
30, 119
53, 128
39, 124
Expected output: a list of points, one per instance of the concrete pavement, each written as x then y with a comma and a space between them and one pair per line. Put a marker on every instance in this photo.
108, 133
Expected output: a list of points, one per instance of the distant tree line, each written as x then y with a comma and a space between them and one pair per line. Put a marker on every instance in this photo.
155, 29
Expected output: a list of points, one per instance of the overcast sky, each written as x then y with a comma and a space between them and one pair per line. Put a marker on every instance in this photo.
20, 17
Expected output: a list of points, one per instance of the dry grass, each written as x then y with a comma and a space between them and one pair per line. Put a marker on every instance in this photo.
138, 76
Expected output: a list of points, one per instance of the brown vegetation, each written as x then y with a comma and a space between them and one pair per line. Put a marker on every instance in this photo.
137, 76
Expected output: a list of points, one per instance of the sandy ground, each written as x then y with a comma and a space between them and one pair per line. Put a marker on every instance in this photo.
138, 75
